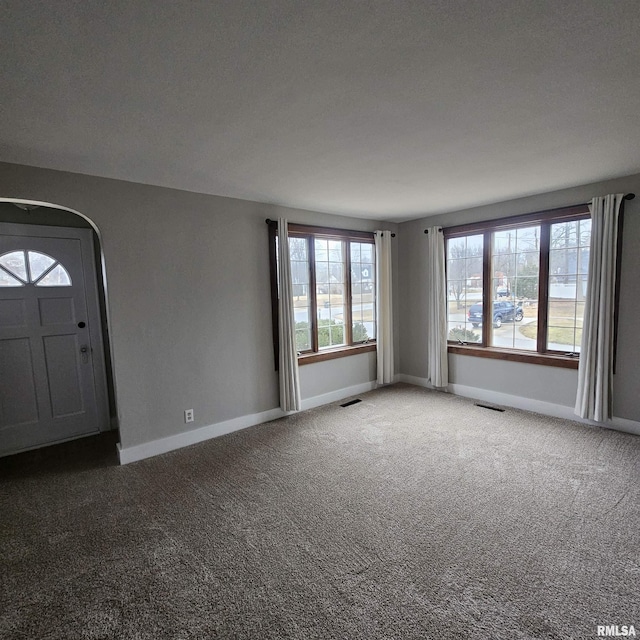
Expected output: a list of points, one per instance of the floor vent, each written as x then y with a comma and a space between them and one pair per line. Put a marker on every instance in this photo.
348, 404
489, 406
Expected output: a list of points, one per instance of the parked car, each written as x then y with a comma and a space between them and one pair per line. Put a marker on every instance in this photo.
502, 312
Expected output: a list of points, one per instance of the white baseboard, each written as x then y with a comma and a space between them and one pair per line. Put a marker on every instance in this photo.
528, 404
508, 400
340, 394
187, 438
624, 424
540, 406
418, 382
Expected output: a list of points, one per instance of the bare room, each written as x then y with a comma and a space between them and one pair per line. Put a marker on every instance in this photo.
318, 320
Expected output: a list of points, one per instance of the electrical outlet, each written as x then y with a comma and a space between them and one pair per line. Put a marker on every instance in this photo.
188, 415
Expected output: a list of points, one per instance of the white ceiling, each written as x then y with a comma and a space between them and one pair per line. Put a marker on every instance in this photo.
383, 109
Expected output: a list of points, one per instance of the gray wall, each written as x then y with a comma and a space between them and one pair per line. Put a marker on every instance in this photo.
536, 382
188, 298
189, 301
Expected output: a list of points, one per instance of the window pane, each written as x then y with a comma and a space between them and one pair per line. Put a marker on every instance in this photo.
302, 318
564, 235
356, 312
464, 288
368, 272
337, 334
363, 309
568, 267
335, 250
367, 252
299, 256
57, 277
563, 325
510, 329
298, 249
330, 290
458, 333
456, 247
9, 281
563, 263
15, 264
322, 275
584, 232
336, 274
303, 337
330, 334
514, 287
528, 239
38, 264
321, 251
300, 295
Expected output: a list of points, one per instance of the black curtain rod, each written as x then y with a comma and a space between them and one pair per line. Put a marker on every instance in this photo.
275, 222
628, 196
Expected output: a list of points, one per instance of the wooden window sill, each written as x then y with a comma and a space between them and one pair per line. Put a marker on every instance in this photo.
338, 352
548, 359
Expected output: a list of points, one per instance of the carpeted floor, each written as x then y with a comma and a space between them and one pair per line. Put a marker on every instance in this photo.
413, 514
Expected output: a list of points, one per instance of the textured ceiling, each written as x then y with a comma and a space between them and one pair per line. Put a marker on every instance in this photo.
389, 110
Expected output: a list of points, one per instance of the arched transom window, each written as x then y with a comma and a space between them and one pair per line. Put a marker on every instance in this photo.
19, 268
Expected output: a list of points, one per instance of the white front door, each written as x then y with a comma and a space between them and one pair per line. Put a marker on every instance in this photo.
52, 382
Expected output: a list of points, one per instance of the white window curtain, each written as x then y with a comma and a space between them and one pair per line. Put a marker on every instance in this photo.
288, 361
384, 307
437, 366
595, 371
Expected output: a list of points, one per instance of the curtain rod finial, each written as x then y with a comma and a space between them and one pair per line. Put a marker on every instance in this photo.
630, 196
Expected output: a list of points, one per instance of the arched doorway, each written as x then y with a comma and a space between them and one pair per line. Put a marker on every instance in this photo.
56, 381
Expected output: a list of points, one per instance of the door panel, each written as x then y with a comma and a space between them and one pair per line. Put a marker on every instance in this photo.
57, 311
18, 401
48, 386
65, 377
12, 313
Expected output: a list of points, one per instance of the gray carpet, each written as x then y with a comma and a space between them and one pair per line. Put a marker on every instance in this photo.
413, 514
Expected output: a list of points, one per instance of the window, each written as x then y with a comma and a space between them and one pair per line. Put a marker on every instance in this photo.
18, 268
333, 273
516, 286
